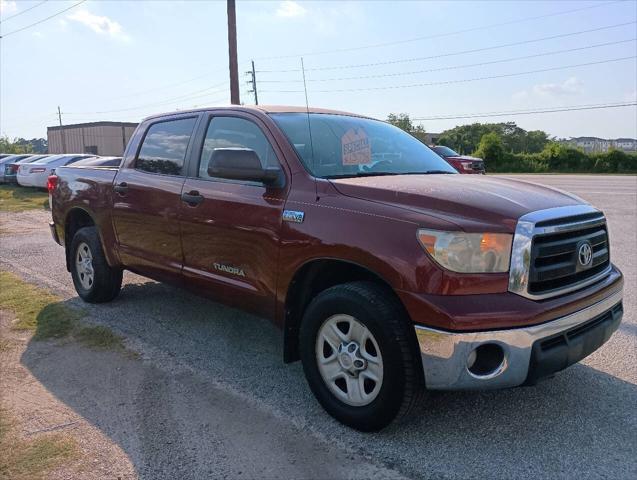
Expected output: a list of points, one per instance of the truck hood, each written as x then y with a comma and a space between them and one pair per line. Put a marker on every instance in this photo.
471, 202
464, 158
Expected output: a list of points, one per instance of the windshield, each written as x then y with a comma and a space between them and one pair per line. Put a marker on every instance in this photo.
345, 146
445, 151
49, 159
31, 159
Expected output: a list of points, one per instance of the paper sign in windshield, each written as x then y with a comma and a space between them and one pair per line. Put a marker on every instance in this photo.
356, 147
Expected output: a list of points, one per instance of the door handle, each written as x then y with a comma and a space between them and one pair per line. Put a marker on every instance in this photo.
192, 198
121, 188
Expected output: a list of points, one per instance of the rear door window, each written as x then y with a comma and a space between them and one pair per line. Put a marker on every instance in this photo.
164, 147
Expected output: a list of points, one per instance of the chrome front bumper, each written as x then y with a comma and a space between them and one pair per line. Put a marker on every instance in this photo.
445, 355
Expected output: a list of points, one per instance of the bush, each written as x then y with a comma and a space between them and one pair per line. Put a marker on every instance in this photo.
554, 158
491, 150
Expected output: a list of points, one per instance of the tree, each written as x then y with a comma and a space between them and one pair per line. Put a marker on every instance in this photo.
466, 138
20, 145
536, 140
491, 149
403, 122
12, 146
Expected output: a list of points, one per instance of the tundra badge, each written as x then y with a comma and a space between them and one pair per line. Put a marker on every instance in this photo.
229, 269
293, 216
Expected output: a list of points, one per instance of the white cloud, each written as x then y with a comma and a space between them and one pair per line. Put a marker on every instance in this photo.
290, 9
8, 6
570, 86
101, 25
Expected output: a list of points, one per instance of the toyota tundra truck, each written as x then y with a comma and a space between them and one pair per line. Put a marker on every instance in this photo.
389, 273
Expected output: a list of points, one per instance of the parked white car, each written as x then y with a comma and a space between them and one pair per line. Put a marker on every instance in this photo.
36, 174
11, 167
9, 159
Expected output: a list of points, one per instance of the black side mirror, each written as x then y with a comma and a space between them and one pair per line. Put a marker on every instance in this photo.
242, 164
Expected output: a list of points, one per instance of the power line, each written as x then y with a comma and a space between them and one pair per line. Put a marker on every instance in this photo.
44, 19
209, 102
528, 112
152, 90
155, 104
177, 84
23, 11
465, 80
454, 67
451, 54
439, 35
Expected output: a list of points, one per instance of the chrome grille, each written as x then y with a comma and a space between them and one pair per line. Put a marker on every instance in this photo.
546, 246
555, 263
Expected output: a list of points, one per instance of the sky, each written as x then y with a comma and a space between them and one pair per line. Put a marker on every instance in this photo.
124, 60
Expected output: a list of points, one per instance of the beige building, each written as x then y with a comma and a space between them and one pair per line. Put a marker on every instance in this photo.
99, 138
594, 144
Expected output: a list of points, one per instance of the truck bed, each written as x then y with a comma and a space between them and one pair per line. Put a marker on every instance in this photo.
87, 188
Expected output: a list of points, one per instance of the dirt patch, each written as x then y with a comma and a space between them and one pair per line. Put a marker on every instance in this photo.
40, 436
26, 222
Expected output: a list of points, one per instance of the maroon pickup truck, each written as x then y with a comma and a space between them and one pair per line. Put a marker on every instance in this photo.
389, 273
462, 163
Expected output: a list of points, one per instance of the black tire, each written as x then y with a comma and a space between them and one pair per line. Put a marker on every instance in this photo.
107, 281
403, 385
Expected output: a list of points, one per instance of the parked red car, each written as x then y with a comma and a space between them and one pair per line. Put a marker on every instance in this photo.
388, 272
462, 163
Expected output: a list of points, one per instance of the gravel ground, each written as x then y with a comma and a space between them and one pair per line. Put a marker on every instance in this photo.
215, 385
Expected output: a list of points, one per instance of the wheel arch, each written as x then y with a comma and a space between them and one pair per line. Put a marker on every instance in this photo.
76, 218
309, 280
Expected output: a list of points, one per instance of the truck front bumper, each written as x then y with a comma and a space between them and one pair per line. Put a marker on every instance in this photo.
507, 358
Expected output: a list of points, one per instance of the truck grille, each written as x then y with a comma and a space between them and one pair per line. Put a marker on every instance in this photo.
555, 262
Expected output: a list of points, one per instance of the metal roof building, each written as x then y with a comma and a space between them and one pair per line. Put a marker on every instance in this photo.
99, 138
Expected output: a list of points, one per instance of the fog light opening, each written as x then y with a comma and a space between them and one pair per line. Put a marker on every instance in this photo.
485, 360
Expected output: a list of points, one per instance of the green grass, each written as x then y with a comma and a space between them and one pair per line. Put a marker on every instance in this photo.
45, 314
98, 337
31, 459
35, 308
14, 198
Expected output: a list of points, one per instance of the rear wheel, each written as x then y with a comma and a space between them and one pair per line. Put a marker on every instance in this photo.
359, 356
94, 279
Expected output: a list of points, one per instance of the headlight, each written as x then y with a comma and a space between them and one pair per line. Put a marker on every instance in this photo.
467, 165
468, 252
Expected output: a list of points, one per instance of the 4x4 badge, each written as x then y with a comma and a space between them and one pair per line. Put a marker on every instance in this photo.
293, 216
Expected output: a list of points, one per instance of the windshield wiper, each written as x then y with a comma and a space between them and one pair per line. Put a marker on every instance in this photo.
381, 174
361, 174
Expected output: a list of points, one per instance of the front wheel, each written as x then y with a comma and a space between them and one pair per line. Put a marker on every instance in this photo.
359, 355
94, 279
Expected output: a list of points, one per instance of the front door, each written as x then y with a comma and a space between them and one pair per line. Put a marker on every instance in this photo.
231, 237
147, 199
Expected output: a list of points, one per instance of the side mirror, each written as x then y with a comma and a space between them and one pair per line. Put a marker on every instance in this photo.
242, 164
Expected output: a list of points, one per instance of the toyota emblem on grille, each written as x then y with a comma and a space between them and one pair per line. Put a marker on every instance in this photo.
585, 254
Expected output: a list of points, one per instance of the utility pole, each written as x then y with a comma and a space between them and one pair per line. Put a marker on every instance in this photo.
232, 54
253, 81
62, 132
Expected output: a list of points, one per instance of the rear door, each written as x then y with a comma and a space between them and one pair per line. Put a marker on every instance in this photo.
146, 198
231, 236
